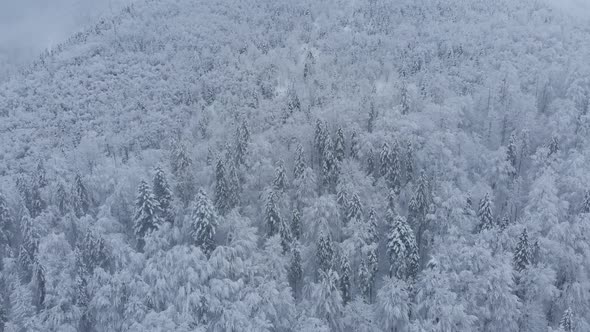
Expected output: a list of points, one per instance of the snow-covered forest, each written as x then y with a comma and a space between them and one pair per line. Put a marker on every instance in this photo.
278, 165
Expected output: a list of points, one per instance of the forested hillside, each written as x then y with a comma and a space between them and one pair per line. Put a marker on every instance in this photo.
277, 165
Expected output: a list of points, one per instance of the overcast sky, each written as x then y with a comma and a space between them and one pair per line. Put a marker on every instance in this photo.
27, 27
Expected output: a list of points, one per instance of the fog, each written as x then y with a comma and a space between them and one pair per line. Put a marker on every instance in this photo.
27, 27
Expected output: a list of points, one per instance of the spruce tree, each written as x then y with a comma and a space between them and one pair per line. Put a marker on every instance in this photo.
319, 140
339, 147
409, 162
372, 236
5, 224
203, 223
511, 154
370, 164
242, 138
522, 254
222, 190
163, 195
354, 146
405, 104
402, 249
324, 253
567, 320
285, 234
62, 199
385, 160
300, 163
485, 213
272, 215
296, 224
295, 270
368, 273
354, 210
553, 145
329, 166
147, 213
38, 285
372, 118
345, 280
180, 160
394, 171
279, 182
82, 200
586, 202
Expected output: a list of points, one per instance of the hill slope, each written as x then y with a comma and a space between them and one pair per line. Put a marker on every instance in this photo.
367, 165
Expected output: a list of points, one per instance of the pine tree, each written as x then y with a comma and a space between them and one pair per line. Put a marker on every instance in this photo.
81, 198
402, 250
511, 154
339, 147
92, 251
394, 171
485, 213
180, 160
272, 215
324, 253
368, 273
385, 160
330, 168
203, 223
567, 321
372, 118
345, 282
242, 138
308, 69
319, 140
342, 197
285, 234
222, 194
147, 213
300, 163
372, 236
181, 163
553, 145
62, 199
38, 285
235, 187
163, 195
41, 175
295, 270
354, 210
370, 164
409, 162
5, 224
296, 224
354, 146
279, 182
586, 203
522, 254
404, 99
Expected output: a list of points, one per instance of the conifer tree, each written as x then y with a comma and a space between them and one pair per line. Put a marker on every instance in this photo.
586, 202
62, 199
385, 160
329, 166
354, 210
296, 224
242, 141
342, 197
402, 249
419, 208
235, 187
372, 236
368, 272
41, 175
147, 213
222, 190
339, 147
82, 200
405, 104
272, 215
38, 285
163, 195
522, 254
285, 234
279, 182
181, 164
345, 281
180, 160
394, 171
553, 145
511, 154
485, 213
354, 146
203, 223
372, 118
319, 140
295, 270
325, 253
300, 163
308, 68
5, 224
409, 162
370, 163
567, 321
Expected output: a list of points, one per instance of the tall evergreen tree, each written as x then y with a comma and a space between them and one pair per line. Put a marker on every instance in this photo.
330, 168
296, 224
296, 270
370, 164
405, 103
81, 198
522, 254
372, 236
5, 224
324, 253
279, 182
339, 147
385, 160
485, 213
586, 202
62, 199
354, 209
38, 285
402, 249
181, 165
418, 210
567, 321
553, 145
147, 213
372, 118
409, 162
272, 216
354, 146
319, 140
163, 195
368, 272
393, 169
285, 234
300, 163
345, 280
511, 155
242, 138
203, 222
222, 190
